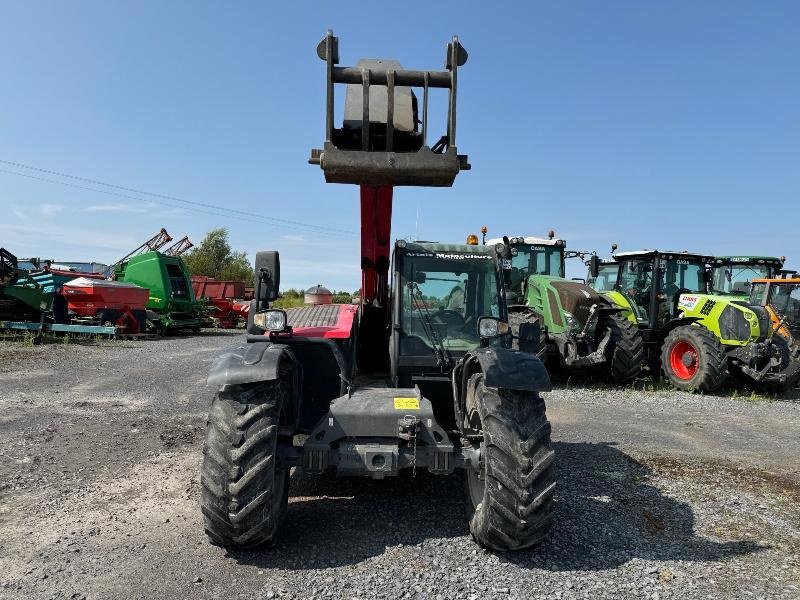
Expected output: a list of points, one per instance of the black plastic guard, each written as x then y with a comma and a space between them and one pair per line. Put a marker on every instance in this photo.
512, 369
248, 363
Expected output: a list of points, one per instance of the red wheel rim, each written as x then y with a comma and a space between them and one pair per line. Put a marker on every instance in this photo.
683, 359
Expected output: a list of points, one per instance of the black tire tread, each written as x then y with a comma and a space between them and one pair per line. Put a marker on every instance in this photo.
713, 368
243, 498
625, 350
517, 510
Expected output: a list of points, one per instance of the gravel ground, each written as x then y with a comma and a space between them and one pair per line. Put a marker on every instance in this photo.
661, 495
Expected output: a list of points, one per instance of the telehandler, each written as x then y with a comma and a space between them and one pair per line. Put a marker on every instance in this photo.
419, 375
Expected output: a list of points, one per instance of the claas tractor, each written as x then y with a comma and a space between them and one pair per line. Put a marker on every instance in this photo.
732, 275
696, 338
420, 375
580, 329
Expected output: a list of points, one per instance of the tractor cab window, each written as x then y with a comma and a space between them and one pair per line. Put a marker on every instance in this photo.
682, 274
532, 259
757, 291
635, 281
785, 300
606, 280
442, 296
678, 276
736, 278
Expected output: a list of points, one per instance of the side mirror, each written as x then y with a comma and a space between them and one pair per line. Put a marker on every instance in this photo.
420, 277
268, 276
594, 265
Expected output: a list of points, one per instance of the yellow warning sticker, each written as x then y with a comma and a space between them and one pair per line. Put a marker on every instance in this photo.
401, 403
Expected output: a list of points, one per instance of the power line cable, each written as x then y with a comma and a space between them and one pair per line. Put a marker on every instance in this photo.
249, 219
167, 197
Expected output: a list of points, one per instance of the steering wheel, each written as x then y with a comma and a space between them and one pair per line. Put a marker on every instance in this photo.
449, 317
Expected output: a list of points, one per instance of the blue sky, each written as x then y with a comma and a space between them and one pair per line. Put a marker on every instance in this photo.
671, 125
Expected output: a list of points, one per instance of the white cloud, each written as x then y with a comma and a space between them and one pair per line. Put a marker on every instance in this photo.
171, 211
113, 208
293, 238
50, 210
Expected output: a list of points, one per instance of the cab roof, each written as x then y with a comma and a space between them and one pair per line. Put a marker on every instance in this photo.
429, 247
529, 239
747, 258
661, 254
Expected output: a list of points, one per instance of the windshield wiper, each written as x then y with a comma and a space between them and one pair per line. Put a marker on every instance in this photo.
443, 358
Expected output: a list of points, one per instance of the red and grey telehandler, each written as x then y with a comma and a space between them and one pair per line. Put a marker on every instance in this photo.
420, 375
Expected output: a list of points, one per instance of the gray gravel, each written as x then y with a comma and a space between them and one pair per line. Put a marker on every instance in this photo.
661, 495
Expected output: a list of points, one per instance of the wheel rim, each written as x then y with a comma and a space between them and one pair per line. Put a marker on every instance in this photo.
475, 486
683, 359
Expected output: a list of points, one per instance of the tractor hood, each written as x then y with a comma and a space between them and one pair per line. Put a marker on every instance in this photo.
734, 320
576, 298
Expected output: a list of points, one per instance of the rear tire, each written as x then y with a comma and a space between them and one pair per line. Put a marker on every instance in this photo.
693, 359
625, 350
511, 508
244, 492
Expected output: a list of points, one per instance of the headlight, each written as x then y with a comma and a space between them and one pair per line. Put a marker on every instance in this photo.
572, 322
489, 327
271, 320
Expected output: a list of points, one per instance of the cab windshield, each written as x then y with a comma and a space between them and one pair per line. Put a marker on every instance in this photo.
606, 279
443, 295
736, 278
533, 259
785, 300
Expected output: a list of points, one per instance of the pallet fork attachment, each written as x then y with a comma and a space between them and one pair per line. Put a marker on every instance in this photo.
380, 142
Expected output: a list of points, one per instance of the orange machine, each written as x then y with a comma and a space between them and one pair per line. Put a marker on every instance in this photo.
781, 297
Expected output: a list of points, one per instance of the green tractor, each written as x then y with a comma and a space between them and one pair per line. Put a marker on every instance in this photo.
580, 329
697, 338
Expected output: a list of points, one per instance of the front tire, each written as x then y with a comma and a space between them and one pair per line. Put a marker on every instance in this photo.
693, 359
625, 350
244, 491
510, 501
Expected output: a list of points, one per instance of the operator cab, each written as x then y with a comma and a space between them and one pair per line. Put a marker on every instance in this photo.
532, 256
440, 293
783, 297
652, 281
732, 275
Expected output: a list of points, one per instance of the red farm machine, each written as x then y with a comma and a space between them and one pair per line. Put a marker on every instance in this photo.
225, 305
421, 375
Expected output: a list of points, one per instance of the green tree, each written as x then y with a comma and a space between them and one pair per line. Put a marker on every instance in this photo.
215, 258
